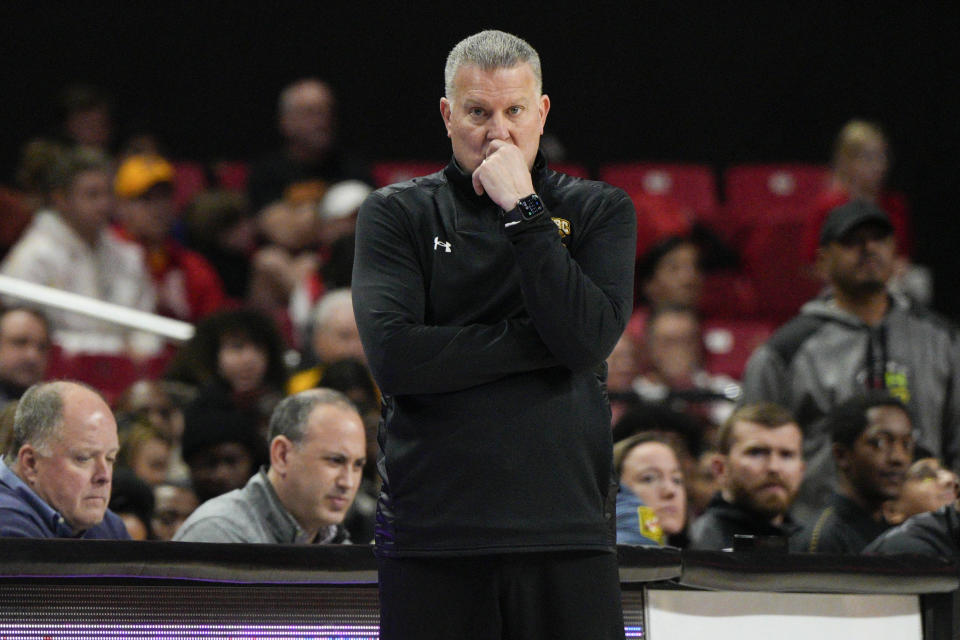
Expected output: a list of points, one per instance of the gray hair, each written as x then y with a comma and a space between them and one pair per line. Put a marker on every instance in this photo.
38, 418
491, 50
329, 303
290, 417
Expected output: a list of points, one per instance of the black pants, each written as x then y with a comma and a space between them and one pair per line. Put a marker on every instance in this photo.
521, 596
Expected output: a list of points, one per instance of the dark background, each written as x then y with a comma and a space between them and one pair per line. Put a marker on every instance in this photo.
717, 83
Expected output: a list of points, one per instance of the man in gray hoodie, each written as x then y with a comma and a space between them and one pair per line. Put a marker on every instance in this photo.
855, 338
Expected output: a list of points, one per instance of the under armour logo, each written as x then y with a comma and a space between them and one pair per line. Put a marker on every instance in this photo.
437, 243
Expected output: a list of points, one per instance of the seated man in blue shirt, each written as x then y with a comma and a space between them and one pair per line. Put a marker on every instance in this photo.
56, 477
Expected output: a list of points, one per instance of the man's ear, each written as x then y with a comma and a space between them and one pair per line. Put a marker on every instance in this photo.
27, 461
280, 448
446, 111
544, 109
718, 464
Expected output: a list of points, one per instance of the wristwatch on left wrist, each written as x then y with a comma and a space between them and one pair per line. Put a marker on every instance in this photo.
527, 208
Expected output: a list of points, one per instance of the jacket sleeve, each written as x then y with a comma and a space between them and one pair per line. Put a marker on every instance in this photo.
406, 355
580, 299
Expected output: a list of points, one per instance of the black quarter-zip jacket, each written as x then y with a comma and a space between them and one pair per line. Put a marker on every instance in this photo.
488, 344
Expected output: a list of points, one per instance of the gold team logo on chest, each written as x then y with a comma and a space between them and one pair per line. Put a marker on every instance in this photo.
563, 226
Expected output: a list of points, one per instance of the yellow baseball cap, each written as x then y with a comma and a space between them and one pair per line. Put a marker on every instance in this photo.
138, 173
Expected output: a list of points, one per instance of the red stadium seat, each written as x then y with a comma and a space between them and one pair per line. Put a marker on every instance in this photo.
691, 185
729, 343
772, 257
752, 191
232, 176
108, 374
385, 173
189, 179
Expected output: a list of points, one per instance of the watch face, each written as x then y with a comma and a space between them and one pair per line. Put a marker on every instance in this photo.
531, 206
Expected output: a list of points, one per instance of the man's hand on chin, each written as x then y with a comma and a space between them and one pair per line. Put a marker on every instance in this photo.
503, 175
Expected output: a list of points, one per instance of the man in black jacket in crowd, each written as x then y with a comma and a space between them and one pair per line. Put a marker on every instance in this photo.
872, 448
760, 469
488, 296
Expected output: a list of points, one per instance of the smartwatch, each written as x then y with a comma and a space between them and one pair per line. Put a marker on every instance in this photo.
527, 208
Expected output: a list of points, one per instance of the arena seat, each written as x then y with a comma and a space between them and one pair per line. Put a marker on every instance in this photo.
232, 175
752, 190
385, 173
189, 179
772, 257
691, 185
728, 344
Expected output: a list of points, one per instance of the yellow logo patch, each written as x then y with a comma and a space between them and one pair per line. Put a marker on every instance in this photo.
649, 525
563, 226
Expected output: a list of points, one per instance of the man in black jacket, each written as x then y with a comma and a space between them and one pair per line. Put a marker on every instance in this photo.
760, 469
488, 296
872, 447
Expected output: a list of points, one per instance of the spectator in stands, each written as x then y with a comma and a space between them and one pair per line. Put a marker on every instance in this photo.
132, 500
872, 448
760, 469
219, 225
934, 533
55, 480
317, 453
145, 451
334, 337
86, 117
927, 532
310, 159
24, 347
702, 481
6, 426
859, 337
187, 287
648, 469
71, 249
173, 504
32, 192
336, 223
861, 161
928, 487
623, 367
221, 454
675, 374
669, 273
149, 400
235, 361
289, 253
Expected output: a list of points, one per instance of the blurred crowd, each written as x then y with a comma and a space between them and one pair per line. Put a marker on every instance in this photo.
820, 436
